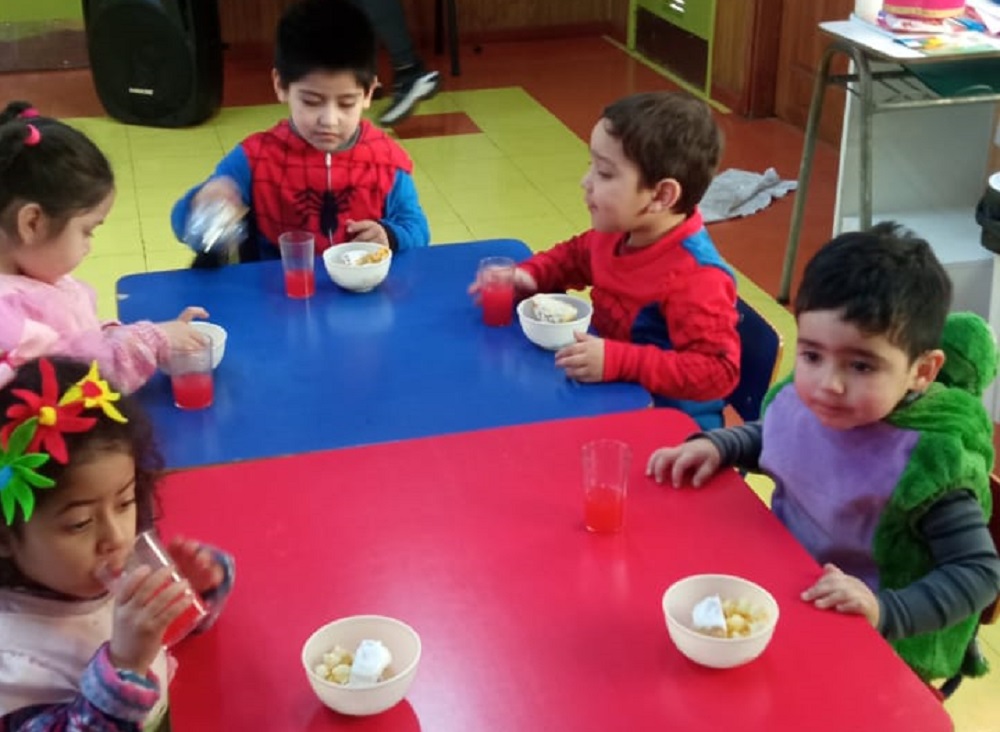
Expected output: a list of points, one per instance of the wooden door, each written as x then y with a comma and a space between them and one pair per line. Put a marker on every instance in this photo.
745, 56
800, 51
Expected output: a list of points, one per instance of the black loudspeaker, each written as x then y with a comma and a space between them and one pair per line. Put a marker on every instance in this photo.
156, 62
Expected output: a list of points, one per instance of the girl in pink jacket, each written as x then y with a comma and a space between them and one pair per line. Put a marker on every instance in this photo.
56, 187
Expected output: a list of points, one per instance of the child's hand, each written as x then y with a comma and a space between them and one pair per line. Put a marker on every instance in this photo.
196, 563
367, 230
180, 334
218, 189
192, 312
843, 593
145, 605
583, 360
699, 456
524, 285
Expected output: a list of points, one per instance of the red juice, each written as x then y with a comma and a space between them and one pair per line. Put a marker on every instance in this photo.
300, 283
603, 509
184, 623
498, 303
192, 391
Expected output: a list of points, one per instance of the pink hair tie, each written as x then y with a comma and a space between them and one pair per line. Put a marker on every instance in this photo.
34, 136
29, 113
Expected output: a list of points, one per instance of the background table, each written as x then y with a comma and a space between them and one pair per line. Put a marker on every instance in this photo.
931, 152
528, 622
410, 359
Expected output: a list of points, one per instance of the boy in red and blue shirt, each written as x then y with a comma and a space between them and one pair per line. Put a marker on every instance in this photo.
325, 170
664, 299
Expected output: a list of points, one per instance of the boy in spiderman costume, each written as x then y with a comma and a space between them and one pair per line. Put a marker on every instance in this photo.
664, 299
325, 170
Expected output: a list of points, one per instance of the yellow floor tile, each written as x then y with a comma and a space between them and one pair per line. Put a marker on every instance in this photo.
450, 232
251, 118
159, 237
547, 141
538, 232
155, 204
102, 272
176, 173
975, 706
117, 237
475, 175
177, 258
197, 142
563, 171
990, 636
456, 147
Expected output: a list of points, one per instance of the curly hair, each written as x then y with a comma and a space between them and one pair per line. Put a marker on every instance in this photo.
134, 437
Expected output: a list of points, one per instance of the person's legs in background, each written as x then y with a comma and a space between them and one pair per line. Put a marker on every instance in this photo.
412, 82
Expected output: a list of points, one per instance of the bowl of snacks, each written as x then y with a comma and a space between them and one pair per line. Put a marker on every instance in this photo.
358, 266
719, 620
218, 335
550, 320
362, 664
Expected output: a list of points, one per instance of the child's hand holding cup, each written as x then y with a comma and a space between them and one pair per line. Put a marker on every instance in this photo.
155, 603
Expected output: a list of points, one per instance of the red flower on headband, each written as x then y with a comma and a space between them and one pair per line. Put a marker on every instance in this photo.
54, 419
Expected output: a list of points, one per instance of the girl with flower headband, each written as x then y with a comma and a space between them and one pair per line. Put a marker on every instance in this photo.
78, 471
56, 187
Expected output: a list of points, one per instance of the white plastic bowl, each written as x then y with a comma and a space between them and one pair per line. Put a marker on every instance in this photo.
553, 336
401, 640
681, 597
218, 335
356, 277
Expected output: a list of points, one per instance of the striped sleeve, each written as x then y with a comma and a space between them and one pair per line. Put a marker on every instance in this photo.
964, 580
739, 446
110, 700
215, 599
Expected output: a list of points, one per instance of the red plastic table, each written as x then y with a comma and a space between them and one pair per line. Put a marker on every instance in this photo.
528, 622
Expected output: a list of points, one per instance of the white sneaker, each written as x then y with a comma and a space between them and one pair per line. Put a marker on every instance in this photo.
406, 96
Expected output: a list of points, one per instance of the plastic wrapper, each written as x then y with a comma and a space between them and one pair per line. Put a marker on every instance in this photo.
217, 227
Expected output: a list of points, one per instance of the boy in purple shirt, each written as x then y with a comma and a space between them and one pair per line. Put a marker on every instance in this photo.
879, 447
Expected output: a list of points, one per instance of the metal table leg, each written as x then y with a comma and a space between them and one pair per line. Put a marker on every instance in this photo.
866, 109
805, 169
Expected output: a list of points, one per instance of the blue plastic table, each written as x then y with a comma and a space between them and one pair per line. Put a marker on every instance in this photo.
409, 359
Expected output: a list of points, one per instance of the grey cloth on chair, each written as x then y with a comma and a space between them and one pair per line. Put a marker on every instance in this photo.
736, 193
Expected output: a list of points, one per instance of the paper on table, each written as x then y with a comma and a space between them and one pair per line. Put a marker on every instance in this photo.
989, 14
